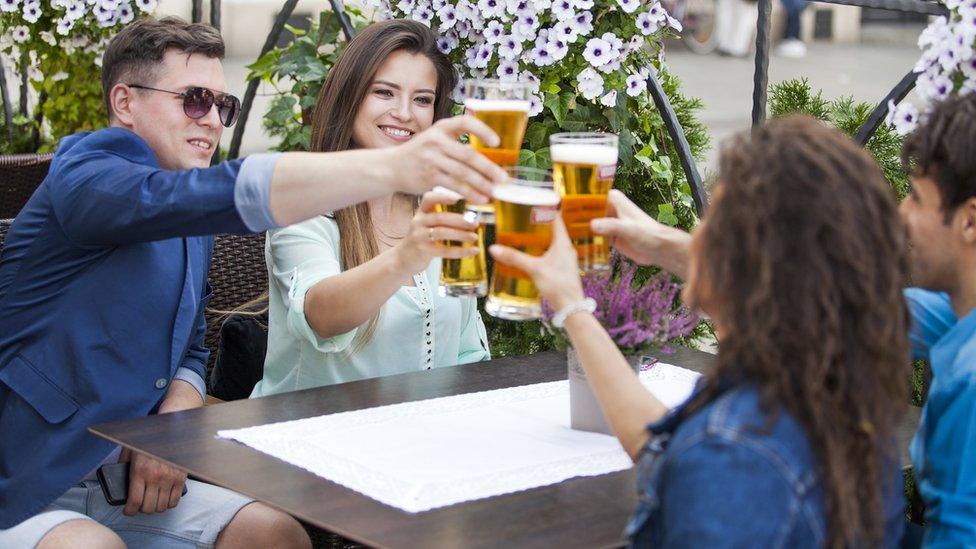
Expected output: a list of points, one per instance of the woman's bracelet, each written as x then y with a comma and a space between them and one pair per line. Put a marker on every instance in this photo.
559, 318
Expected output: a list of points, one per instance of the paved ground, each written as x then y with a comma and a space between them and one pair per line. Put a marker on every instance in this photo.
867, 71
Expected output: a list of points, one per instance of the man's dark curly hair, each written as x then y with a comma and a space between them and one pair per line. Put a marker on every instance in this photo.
943, 147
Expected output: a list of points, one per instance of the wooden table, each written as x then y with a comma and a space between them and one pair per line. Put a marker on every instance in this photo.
582, 512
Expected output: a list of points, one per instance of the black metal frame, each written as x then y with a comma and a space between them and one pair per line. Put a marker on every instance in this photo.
761, 77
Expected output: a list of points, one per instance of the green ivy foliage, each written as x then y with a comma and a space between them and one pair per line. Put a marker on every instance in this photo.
847, 115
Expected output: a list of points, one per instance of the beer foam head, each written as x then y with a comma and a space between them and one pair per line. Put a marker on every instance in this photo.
524, 194
583, 153
497, 105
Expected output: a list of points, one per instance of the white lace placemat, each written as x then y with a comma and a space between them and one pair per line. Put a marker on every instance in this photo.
417, 456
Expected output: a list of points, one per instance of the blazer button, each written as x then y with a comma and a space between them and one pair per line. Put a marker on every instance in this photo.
161, 383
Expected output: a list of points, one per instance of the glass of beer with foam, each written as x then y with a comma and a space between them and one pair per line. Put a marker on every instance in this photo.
525, 207
467, 276
504, 107
583, 168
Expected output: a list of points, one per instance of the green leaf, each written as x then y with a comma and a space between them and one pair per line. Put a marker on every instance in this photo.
557, 106
665, 214
537, 135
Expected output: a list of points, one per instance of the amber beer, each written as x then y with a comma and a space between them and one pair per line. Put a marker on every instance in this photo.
525, 208
467, 276
504, 107
508, 118
583, 169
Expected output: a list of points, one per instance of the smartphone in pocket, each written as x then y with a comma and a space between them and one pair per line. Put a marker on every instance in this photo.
114, 479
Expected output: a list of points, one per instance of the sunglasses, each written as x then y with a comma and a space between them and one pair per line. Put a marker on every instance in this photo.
198, 101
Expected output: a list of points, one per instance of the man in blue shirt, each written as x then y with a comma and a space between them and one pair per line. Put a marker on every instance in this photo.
103, 287
940, 214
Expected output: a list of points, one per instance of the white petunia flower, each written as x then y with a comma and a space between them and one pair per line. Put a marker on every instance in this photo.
32, 12
146, 5
479, 56
59, 76
405, 6
558, 47
647, 25
535, 105
969, 68
448, 16
509, 47
674, 24
48, 37
584, 4
933, 87
494, 32
636, 85
532, 80
64, 26
125, 14
438, 4
565, 31
904, 117
629, 6
541, 5
423, 15
447, 42
463, 28
541, 55
598, 52
491, 8
657, 13
610, 99
526, 26
582, 23
110, 5
564, 10
9, 5
968, 86
20, 34
508, 71
75, 11
590, 83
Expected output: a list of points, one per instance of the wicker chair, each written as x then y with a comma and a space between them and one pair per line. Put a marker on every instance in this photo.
20, 174
238, 274
4, 227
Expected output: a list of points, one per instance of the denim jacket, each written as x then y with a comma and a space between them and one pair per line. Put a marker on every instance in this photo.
720, 478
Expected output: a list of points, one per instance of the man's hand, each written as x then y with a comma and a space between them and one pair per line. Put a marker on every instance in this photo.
153, 486
435, 157
639, 237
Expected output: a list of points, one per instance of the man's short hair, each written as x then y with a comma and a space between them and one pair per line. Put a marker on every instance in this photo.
134, 54
943, 147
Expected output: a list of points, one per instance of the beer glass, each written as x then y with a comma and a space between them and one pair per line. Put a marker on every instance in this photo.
583, 168
525, 207
504, 107
467, 276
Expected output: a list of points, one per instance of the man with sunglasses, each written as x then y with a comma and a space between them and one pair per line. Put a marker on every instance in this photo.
103, 289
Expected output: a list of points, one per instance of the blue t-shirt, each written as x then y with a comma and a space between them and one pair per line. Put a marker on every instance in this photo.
944, 448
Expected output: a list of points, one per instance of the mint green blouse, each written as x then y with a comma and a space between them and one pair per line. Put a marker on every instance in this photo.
418, 329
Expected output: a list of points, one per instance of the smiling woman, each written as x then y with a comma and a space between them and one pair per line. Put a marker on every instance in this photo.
352, 295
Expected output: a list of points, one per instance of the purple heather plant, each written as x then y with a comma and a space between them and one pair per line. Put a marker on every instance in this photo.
637, 318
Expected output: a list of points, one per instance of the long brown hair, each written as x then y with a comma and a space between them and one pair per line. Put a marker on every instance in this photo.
801, 260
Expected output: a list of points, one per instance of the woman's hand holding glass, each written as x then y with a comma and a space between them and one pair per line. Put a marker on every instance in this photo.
429, 228
640, 237
555, 273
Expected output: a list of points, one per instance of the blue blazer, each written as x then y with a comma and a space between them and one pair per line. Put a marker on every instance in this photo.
103, 283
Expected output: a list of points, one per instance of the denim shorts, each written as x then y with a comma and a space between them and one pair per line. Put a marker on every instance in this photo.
196, 521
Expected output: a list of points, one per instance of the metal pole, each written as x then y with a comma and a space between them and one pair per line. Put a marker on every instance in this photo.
215, 13
761, 78
196, 11
252, 85
23, 85
344, 22
874, 120
8, 108
677, 134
